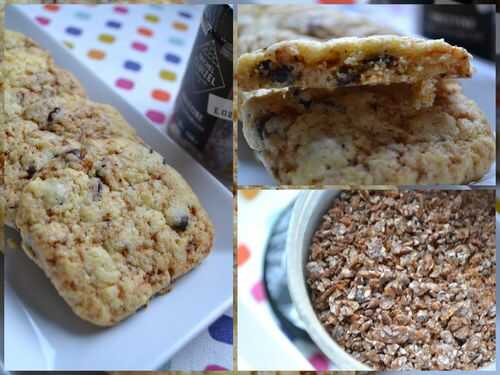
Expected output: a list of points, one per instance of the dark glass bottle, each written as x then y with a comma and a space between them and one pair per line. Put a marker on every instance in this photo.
202, 120
469, 26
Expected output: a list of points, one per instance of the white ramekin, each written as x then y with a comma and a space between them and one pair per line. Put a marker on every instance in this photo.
306, 217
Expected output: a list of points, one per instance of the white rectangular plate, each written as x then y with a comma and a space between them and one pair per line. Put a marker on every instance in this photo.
42, 333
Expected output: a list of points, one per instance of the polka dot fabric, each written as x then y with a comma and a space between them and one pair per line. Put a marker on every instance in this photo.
266, 205
139, 50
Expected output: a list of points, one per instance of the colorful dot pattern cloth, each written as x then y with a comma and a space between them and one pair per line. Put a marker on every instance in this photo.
141, 51
252, 240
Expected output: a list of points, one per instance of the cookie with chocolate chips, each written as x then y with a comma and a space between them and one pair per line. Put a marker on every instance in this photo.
49, 127
351, 61
111, 226
259, 26
26, 150
370, 135
29, 74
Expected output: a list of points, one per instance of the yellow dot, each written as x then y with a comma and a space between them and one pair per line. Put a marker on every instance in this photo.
152, 18
69, 44
167, 75
106, 38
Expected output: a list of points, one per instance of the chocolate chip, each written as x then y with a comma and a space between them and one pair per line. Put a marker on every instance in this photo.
52, 114
150, 150
305, 102
265, 67
164, 161
347, 76
282, 74
181, 224
277, 73
76, 152
99, 190
384, 59
31, 171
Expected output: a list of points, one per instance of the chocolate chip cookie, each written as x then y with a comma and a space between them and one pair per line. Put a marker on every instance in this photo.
351, 61
112, 225
370, 135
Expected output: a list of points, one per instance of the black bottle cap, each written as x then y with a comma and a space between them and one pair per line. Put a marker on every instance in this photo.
220, 20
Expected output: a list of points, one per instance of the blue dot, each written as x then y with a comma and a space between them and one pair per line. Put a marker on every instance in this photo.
185, 14
132, 65
82, 15
170, 57
114, 24
73, 30
222, 329
176, 41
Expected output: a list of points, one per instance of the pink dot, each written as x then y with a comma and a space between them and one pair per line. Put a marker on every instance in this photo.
122, 10
215, 368
258, 291
139, 46
156, 117
125, 84
42, 20
319, 361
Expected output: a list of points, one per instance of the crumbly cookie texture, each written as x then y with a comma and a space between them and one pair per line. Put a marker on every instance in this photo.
112, 225
259, 26
369, 135
351, 61
77, 118
48, 128
46, 114
27, 150
406, 280
30, 74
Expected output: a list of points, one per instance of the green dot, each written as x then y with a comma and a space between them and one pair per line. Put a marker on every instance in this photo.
151, 18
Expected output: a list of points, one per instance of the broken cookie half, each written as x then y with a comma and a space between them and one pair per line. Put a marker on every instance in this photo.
351, 61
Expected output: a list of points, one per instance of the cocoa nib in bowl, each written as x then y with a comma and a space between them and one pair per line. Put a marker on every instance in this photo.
406, 280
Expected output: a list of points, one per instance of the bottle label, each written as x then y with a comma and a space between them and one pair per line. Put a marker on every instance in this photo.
220, 107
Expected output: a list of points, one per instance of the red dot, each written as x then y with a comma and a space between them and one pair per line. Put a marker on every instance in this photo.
51, 7
145, 31
243, 254
124, 83
161, 95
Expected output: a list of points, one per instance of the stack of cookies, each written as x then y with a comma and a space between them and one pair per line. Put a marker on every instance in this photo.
363, 110
108, 221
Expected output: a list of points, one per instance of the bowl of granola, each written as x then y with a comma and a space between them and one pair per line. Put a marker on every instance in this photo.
396, 279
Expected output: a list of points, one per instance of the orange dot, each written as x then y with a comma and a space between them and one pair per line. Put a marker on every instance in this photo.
161, 95
243, 254
51, 7
249, 193
144, 31
96, 54
180, 26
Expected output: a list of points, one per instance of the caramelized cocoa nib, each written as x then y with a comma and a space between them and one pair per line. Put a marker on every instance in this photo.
181, 224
